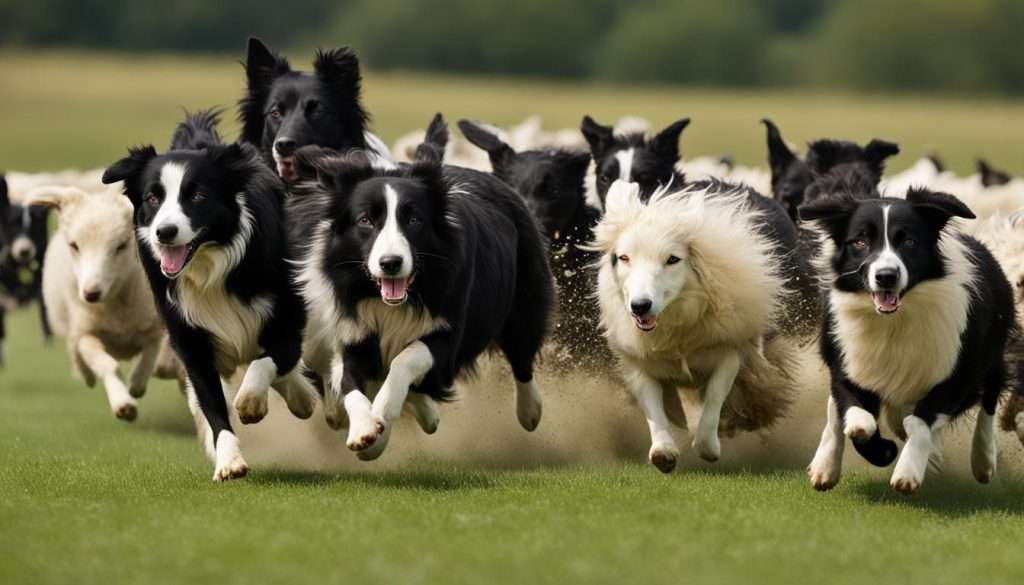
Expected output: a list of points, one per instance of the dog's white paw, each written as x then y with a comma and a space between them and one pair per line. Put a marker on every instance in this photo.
125, 410
909, 474
229, 463
528, 405
425, 413
859, 425
824, 472
664, 456
377, 449
363, 432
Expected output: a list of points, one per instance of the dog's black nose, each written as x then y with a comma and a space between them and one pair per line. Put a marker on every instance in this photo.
887, 278
166, 233
640, 307
391, 264
24, 255
92, 296
284, 146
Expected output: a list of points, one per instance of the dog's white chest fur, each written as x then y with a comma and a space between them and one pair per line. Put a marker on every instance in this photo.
234, 325
901, 357
396, 327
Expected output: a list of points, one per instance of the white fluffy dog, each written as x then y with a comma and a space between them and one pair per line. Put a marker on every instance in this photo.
689, 290
98, 296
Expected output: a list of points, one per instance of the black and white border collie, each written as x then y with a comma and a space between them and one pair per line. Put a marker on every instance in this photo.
212, 241
917, 321
634, 158
284, 109
23, 240
413, 273
552, 182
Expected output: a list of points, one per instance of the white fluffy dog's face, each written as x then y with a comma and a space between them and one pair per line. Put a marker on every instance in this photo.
652, 272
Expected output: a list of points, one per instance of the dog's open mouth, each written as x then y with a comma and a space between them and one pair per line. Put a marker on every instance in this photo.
394, 291
174, 259
886, 301
646, 323
286, 168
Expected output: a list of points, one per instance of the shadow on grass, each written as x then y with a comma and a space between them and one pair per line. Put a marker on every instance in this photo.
950, 496
440, 481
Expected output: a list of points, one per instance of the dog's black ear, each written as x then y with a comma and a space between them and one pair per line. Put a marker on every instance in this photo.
822, 155
337, 173
600, 138
262, 65
938, 208
340, 68
991, 176
877, 151
831, 212
577, 165
780, 157
129, 170
499, 152
666, 142
434, 143
226, 154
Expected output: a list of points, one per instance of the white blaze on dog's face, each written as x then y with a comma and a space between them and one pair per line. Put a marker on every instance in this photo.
391, 259
170, 233
651, 272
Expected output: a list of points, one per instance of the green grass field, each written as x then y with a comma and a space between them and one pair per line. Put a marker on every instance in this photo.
87, 499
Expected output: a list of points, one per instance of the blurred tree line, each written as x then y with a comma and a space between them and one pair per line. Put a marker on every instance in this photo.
955, 45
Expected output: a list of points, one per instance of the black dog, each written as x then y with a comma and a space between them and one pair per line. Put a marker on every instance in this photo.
917, 320
284, 109
413, 273
23, 241
552, 183
212, 241
651, 163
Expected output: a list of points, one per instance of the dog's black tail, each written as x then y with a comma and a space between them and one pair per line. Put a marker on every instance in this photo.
432, 148
198, 130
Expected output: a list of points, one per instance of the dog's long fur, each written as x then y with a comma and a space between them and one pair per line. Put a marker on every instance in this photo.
230, 303
478, 276
924, 348
731, 303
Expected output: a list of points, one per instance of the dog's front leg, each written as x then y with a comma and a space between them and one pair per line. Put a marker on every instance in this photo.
648, 393
827, 465
408, 368
705, 440
97, 360
144, 368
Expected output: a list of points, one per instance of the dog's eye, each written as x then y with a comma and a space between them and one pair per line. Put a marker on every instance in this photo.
413, 220
152, 200
624, 258
275, 114
604, 179
910, 242
74, 246
672, 260
365, 221
859, 244
122, 247
198, 196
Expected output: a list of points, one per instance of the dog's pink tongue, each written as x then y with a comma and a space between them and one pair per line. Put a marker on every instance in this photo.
886, 301
393, 289
172, 258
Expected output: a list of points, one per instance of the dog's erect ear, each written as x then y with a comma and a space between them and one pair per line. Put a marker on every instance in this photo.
991, 176
877, 151
938, 208
262, 65
54, 196
832, 212
499, 152
822, 155
336, 173
623, 198
780, 157
600, 138
431, 150
666, 142
340, 68
227, 155
937, 162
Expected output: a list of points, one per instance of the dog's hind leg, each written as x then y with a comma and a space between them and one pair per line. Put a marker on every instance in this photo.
827, 465
423, 410
648, 393
298, 392
858, 411
521, 343
983, 448
98, 361
705, 440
